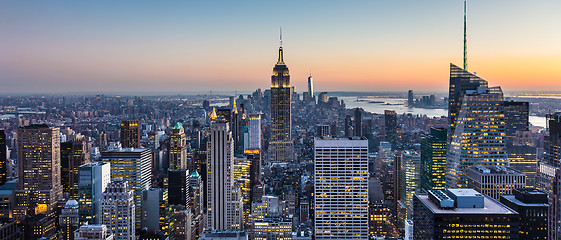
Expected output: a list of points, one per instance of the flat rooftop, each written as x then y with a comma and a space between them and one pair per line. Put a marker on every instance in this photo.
491, 206
513, 199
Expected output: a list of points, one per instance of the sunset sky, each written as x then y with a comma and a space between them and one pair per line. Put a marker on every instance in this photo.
186, 46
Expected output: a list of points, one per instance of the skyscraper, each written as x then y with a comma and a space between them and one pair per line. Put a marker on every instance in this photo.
516, 118
130, 133
479, 136
358, 122
409, 175
178, 187
254, 131
390, 127
177, 152
224, 204
131, 165
39, 182
532, 207
495, 181
410, 98
433, 159
69, 219
3, 158
341, 188
73, 154
157, 215
93, 178
118, 210
280, 144
311, 87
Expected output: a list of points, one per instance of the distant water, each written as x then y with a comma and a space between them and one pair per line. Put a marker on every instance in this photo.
377, 104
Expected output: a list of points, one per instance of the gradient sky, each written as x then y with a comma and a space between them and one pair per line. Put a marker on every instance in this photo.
186, 46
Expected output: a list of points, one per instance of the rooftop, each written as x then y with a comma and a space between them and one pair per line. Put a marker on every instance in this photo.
491, 206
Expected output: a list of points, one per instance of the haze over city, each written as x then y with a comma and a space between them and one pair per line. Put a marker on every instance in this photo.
177, 46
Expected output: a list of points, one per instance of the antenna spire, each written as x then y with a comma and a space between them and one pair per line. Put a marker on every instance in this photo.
281, 37
465, 38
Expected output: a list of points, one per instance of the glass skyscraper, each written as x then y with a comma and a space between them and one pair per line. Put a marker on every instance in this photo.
433, 159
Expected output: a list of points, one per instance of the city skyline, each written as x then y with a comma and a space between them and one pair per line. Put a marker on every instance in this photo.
131, 46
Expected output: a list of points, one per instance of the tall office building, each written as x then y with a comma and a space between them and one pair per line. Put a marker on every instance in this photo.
516, 118
131, 165
224, 204
433, 159
348, 126
524, 159
280, 143
39, 182
495, 181
177, 151
178, 187
410, 98
69, 219
311, 87
196, 201
157, 214
409, 176
532, 207
254, 131
118, 210
3, 158
461, 81
462, 214
242, 180
358, 122
479, 136
390, 127
130, 133
73, 154
93, 178
341, 188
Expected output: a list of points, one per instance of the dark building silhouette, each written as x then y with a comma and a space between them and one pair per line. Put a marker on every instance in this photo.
72, 155
130, 134
358, 122
516, 118
178, 187
532, 207
410, 98
348, 126
390, 118
3, 158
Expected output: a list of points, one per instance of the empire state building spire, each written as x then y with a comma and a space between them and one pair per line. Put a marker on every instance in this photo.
281, 60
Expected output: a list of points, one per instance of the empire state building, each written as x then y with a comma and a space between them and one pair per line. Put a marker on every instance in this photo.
280, 144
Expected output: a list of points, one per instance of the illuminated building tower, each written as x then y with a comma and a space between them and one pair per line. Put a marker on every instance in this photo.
311, 87
410, 98
462, 214
516, 119
236, 128
390, 127
433, 159
523, 158
69, 219
409, 175
479, 138
254, 131
130, 134
182, 221
461, 81
379, 222
196, 203
3, 158
118, 210
280, 143
131, 165
178, 187
532, 207
73, 154
177, 151
92, 180
224, 204
38, 170
495, 181
38, 226
242, 180
341, 188
157, 214
358, 122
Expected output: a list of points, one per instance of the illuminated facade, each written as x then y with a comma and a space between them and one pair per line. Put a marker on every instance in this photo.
409, 176
69, 219
133, 166
462, 214
495, 181
38, 161
157, 214
341, 188
254, 131
224, 203
271, 229
433, 159
532, 207
118, 210
379, 221
177, 151
73, 154
479, 136
92, 180
242, 180
93, 232
130, 134
280, 144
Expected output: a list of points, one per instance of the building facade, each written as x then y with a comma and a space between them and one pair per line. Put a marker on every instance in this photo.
433, 159
130, 134
495, 181
93, 178
118, 210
